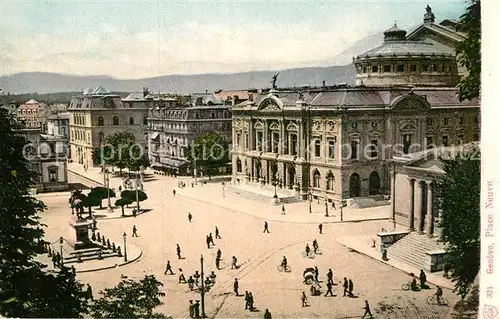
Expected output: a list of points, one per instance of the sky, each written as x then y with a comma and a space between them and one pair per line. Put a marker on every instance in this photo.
138, 39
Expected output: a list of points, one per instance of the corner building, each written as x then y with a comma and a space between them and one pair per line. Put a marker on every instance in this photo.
337, 142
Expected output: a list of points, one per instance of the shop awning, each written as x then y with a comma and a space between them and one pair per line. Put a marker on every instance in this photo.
172, 162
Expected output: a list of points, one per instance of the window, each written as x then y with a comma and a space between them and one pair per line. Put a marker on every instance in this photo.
293, 144
373, 149
413, 68
354, 149
460, 139
317, 178
145, 120
330, 181
331, 149
401, 68
429, 142
461, 120
375, 68
259, 141
237, 142
429, 122
276, 142
317, 148
445, 140
52, 173
364, 69
100, 121
101, 137
115, 120
406, 143
425, 67
445, 121
131, 121
434, 68
387, 68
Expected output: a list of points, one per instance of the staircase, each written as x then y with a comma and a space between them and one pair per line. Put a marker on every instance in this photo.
412, 249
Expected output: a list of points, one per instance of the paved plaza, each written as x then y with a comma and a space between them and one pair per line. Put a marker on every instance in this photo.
241, 227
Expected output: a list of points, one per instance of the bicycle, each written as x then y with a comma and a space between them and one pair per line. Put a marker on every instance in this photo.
281, 268
432, 301
318, 252
308, 255
407, 287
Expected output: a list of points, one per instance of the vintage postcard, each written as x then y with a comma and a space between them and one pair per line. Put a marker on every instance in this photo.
232, 159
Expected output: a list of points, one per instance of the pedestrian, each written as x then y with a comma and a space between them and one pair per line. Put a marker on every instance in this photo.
246, 300
94, 223
266, 227
304, 299
446, 270
329, 275
423, 279
346, 286
316, 273
320, 228
134, 212
208, 242
134, 231
90, 295
168, 268
173, 192
211, 239
283, 210
333, 205
235, 286
178, 251
315, 245
190, 217
250, 301
219, 254
384, 255
267, 314
217, 263
196, 309
329, 285
217, 236
182, 278
233, 264
191, 309
190, 282
351, 288
73, 270
367, 310
120, 188
54, 260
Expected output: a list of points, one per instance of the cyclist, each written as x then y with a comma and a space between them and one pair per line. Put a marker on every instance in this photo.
439, 294
315, 245
308, 250
284, 263
413, 285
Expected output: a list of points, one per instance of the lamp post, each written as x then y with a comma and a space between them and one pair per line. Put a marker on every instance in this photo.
341, 208
137, 190
203, 315
309, 193
61, 241
125, 246
326, 208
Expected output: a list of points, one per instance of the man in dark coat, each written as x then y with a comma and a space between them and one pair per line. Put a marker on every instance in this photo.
329, 285
423, 279
316, 273
236, 286
217, 236
250, 301
320, 228
196, 308
329, 275
367, 310
266, 227
246, 300
351, 288
267, 314
178, 251
168, 268
191, 309
346, 286
90, 295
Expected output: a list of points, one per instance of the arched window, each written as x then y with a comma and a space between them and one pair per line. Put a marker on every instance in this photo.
115, 120
317, 178
238, 165
101, 138
330, 181
131, 121
100, 121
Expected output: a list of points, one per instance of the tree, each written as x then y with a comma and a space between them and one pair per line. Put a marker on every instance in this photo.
102, 155
26, 290
123, 202
469, 52
209, 151
91, 200
102, 193
134, 195
120, 144
458, 198
130, 299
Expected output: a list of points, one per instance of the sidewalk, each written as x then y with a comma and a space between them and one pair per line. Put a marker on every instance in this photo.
363, 245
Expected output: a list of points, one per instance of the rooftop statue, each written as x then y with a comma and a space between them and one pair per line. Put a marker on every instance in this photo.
428, 16
273, 81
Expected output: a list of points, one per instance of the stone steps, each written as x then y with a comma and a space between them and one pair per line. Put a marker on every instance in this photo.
412, 249
262, 195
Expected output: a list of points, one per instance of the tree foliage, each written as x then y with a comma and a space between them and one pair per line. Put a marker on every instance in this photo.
209, 151
102, 155
458, 198
469, 52
26, 289
130, 299
101, 193
123, 202
120, 144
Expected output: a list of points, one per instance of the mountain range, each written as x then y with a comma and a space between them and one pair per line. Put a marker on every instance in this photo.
340, 70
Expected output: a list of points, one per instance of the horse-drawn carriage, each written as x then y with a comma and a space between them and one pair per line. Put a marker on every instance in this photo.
309, 279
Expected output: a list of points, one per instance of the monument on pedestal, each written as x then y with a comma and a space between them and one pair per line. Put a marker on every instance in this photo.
79, 233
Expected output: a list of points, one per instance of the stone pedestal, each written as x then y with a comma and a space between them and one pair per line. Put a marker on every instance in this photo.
79, 233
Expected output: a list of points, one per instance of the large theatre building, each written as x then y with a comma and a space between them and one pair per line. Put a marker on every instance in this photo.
337, 142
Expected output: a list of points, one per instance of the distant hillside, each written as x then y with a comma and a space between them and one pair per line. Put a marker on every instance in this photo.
53, 82
48, 98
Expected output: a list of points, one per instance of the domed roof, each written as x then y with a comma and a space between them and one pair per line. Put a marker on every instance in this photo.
395, 34
398, 48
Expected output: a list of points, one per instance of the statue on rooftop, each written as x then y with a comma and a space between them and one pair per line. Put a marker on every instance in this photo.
429, 16
273, 81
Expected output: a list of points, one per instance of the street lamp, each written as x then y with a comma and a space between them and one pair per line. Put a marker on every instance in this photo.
106, 183
223, 190
275, 183
125, 246
61, 242
203, 315
326, 208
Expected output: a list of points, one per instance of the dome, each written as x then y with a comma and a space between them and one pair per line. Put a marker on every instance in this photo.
398, 48
395, 34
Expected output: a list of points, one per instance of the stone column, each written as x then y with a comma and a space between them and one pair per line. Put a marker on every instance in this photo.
393, 193
430, 210
411, 215
438, 231
420, 208
265, 136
